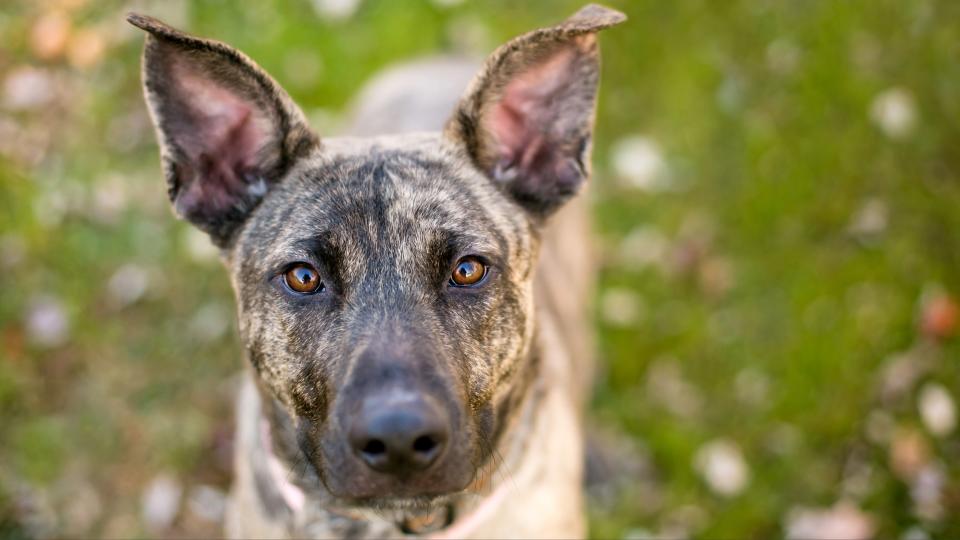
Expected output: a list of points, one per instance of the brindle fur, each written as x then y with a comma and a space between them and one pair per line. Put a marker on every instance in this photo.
384, 218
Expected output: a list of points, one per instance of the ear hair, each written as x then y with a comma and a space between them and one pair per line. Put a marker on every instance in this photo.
227, 131
527, 118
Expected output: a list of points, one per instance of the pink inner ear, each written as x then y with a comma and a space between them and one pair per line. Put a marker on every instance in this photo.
521, 121
222, 136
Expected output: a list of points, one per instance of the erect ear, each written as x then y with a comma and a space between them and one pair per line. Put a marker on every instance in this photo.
227, 131
527, 118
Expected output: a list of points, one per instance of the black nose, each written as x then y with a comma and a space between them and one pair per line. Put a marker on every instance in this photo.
399, 435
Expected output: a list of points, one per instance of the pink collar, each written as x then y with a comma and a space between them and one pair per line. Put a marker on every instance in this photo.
291, 494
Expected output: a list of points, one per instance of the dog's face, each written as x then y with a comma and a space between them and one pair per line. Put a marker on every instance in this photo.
388, 285
384, 286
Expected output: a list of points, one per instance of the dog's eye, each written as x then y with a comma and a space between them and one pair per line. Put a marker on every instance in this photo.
303, 278
468, 272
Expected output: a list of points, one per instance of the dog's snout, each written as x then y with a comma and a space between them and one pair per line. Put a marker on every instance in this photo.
399, 435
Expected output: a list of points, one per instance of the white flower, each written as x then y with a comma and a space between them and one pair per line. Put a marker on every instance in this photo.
336, 9
210, 322
926, 490
47, 324
722, 466
843, 520
915, 533
894, 112
109, 198
28, 88
620, 307
199, 247
644, 246
161, 502
937, 409
127, 285
870, 219
638, 161
667, 386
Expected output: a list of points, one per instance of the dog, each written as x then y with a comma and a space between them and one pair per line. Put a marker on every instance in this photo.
412, 305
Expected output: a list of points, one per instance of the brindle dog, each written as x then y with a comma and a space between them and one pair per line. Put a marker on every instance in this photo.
414, 323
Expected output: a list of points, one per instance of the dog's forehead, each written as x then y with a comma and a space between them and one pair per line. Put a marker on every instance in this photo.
399, 196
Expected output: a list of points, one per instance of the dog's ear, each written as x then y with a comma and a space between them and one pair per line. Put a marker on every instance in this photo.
227, 131
527, 118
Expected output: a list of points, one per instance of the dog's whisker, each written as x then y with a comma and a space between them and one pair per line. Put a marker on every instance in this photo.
502, 469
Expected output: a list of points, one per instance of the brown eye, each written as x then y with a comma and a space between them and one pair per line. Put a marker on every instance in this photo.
469, 271
303, 278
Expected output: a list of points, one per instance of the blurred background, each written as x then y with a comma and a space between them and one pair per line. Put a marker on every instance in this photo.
777, 200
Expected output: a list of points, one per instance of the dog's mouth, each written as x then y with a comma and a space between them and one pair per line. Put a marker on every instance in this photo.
412, 515
418, 498
383, 494
427, 522
353, 484
422, 514
409, 505
417, 516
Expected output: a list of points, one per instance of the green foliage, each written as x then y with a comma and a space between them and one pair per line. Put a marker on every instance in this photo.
756, 287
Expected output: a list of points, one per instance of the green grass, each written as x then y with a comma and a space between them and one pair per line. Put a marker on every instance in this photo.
762, 114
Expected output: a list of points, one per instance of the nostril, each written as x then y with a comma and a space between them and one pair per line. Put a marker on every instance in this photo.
399, 438
374, 447
424, 444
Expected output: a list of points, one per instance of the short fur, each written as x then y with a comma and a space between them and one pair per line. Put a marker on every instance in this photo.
384, 220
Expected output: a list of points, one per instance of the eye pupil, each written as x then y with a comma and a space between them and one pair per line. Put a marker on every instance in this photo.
469, 271
303, 278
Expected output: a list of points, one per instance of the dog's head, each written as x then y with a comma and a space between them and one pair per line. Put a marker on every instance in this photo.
384, 286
